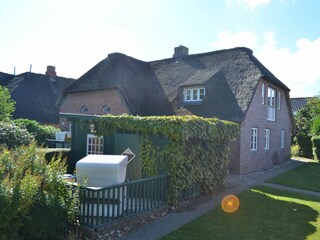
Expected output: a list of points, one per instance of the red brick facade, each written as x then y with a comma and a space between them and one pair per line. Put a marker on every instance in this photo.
245, 160
94, 101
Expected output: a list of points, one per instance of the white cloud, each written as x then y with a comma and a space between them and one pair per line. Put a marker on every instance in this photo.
248, 4
298, 69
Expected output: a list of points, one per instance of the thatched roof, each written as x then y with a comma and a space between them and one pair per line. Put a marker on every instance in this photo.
36, 95
298, 103
155, 88
134, 78
5, 78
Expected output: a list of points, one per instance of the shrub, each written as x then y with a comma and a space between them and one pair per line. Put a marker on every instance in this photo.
305, 145
41, 133
316, 147
35, 201
295, 150
13, 136
315, 126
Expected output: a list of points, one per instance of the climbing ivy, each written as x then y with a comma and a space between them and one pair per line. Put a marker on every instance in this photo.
197, 149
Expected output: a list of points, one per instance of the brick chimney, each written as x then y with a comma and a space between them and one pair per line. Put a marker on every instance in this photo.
51, 72
180, 51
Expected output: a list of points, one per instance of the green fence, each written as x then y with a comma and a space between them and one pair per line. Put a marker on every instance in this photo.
102, 206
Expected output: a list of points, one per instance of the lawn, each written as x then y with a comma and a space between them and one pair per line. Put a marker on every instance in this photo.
306, 177
264, 213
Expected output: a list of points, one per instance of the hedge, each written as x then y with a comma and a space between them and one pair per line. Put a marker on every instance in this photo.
63, 153
197, 149
316, 147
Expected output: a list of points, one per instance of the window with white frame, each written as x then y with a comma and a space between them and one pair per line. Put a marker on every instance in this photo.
271, 104
262, 92
94, 144
279, 99
194, 94
254, 139
283, 139
267, 138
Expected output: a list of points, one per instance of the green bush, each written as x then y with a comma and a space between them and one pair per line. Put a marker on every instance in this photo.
316, 147
295, 150
35, 201
41, 133
315, 126
12, 136
305, 145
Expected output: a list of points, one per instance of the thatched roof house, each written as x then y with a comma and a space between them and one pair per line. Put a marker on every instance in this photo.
230, 84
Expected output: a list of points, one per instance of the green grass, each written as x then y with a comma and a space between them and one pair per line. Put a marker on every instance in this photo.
264, 213
306, 177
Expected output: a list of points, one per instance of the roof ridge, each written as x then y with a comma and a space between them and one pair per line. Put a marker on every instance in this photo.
245, 49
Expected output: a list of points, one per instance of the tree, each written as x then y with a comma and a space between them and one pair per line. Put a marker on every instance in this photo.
6, 104
304, 120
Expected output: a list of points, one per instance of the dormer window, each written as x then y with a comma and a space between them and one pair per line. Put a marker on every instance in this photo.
193, 94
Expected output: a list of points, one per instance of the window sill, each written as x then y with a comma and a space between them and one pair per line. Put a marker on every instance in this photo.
191, 103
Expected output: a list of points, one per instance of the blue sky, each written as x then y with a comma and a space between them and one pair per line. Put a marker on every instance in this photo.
74, 35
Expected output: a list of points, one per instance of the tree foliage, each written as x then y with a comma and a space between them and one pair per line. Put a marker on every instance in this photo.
6, 104
306, 122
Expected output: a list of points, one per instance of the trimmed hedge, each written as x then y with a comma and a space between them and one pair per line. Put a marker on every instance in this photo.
316, 147
63, 153
197, 150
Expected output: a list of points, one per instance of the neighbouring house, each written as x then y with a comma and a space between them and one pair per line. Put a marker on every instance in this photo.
229, 84
36, 94
298, 103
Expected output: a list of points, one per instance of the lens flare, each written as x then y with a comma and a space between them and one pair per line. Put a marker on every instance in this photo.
230, 203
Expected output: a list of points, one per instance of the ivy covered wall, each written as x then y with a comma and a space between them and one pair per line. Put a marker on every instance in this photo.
196, 149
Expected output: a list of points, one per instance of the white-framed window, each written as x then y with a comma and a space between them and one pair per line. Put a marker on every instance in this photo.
267, 138
271, 104
279, 99
263, 86
194, 94
283, 139
94, 144
254, 139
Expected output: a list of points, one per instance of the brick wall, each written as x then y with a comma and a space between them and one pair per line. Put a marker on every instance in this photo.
256, 117
94, 101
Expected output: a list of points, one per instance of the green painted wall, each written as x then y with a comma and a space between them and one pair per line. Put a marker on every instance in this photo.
122, 141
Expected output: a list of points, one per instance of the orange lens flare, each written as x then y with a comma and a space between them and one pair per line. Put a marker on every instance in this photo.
230, 203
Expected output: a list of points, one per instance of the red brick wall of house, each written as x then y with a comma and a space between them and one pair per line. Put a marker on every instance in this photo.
94, 101
256, 117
